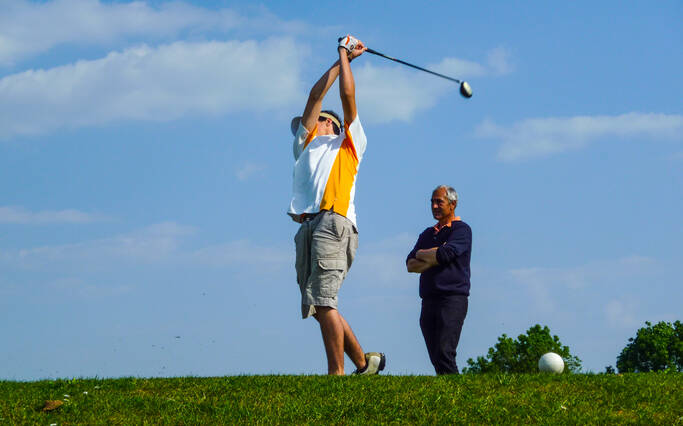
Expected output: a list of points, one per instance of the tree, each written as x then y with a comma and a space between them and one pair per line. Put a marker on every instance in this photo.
655, 348
522, 355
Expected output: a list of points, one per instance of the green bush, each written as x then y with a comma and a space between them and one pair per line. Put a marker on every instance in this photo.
522, 355
655, 348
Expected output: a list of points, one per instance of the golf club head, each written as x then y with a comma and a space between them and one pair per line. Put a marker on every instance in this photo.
465, 89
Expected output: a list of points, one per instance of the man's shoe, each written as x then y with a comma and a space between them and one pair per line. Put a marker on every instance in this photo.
374, 363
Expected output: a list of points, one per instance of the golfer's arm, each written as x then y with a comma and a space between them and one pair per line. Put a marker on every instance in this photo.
417, 266
315, 98
347, 87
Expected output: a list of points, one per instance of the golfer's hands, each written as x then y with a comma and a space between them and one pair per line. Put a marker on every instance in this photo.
360, 48
353, 46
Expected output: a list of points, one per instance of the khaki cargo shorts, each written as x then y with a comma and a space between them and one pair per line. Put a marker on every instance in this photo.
325, 248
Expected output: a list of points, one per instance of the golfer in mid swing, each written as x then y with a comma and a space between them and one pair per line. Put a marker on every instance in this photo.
328, 153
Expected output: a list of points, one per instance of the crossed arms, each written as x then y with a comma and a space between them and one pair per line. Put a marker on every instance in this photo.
423, 260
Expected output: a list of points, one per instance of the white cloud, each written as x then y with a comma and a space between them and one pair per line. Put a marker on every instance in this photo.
19, 215
497, 63
248, 170
621, 314
161, 244
383, 262
545, 284
540, 137
158, 84
388, 93
396, 92
584, 275
29, 28
241, 253
82, 288
151, 244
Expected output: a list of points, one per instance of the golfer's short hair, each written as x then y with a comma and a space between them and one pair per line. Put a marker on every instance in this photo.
451, 194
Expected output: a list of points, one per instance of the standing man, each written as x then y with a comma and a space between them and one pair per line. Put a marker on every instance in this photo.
442, 258
327, 157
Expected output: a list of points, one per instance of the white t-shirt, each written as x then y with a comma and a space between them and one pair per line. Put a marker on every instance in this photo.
325, 170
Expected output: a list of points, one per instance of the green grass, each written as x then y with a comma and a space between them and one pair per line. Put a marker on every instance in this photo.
480, 399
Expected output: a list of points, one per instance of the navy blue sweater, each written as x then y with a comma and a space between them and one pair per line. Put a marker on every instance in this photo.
452, 275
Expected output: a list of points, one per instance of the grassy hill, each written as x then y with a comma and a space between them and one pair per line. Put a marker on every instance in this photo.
481, 399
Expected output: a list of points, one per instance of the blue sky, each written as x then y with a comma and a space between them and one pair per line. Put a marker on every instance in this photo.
145, 171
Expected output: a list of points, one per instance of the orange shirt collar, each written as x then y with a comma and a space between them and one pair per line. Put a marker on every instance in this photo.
438, 227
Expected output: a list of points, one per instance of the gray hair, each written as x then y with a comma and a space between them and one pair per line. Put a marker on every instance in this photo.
451, 194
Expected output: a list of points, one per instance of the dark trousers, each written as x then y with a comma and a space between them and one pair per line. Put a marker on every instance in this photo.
441, 322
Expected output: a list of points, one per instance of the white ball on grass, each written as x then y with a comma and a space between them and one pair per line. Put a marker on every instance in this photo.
551, 363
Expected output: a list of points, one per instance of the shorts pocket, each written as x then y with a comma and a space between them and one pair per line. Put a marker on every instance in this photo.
302, 263
330, 273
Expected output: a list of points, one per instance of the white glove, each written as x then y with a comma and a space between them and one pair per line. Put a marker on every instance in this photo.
348, 42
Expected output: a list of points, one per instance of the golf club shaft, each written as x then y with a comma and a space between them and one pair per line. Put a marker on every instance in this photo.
374, 52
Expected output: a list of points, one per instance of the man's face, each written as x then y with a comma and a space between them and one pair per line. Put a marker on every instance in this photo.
441, 207
325, 126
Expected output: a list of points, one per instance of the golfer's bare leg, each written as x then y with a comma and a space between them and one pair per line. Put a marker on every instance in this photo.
329, 320
332, 329
351, 345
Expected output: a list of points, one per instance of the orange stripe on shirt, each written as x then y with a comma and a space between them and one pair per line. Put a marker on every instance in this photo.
337, 195
311, 135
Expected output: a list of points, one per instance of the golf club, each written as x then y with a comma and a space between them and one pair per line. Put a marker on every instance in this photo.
465, 89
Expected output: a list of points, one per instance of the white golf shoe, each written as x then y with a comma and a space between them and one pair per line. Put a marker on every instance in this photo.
374, 363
